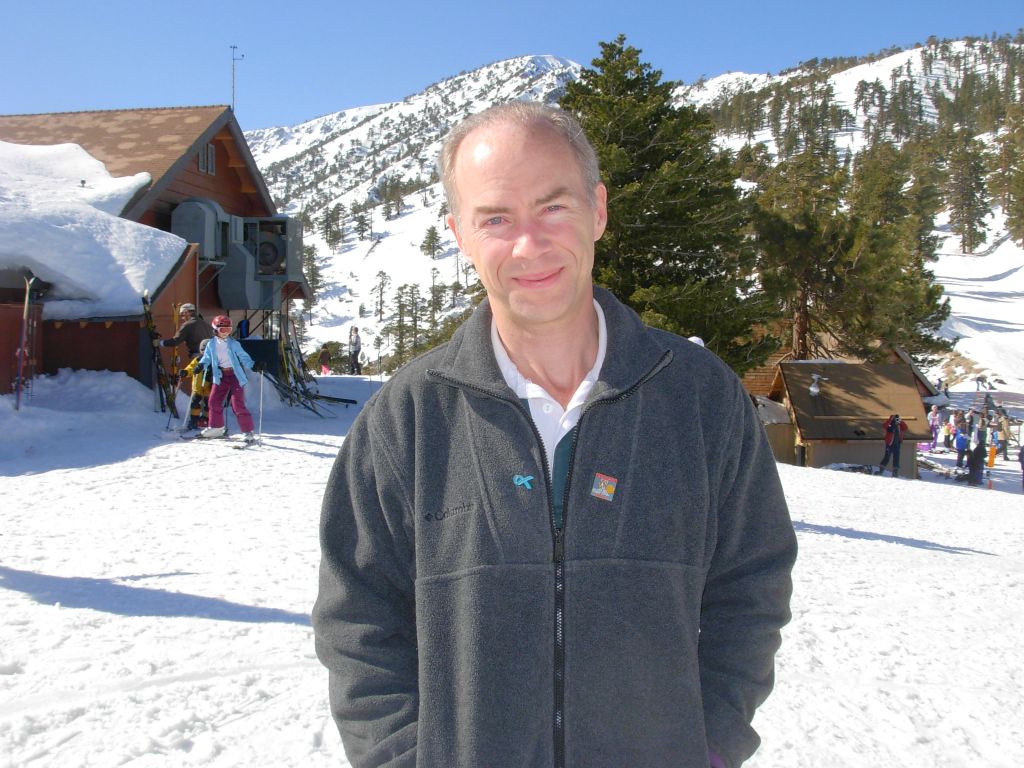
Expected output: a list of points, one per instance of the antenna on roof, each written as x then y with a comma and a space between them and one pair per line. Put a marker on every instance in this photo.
233, 60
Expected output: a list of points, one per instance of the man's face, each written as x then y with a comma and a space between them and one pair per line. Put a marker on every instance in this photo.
527, 224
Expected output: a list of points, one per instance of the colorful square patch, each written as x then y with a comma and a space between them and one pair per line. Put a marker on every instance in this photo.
604, 486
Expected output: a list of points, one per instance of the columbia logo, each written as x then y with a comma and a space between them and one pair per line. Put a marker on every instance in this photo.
436, 517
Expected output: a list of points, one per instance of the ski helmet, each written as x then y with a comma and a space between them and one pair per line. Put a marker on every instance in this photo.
187, 308
221, 321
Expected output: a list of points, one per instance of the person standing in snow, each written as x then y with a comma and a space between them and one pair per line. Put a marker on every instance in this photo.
976, 465
226, 361
934, 420
962, 442
894, 429
355, 346
191, 331
324, 360
951, 426
559, 539
1004, 431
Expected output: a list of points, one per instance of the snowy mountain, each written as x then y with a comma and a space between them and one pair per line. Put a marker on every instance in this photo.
339, 157
345, 157
911, 80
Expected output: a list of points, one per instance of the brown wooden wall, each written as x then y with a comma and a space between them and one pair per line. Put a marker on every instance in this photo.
94, 346
10, 339
232, 186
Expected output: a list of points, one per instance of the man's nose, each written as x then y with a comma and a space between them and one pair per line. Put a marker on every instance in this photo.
531, 241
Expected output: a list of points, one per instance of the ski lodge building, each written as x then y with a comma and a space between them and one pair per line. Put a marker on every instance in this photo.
819, 413
237, 255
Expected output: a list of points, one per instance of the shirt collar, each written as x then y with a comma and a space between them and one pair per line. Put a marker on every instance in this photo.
522, 386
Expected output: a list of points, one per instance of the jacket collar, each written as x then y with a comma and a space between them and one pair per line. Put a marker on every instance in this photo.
634, 352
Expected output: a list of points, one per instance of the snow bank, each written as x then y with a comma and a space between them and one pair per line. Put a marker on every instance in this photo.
59, 217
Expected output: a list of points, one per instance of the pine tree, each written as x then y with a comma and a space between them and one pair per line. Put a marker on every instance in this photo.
1007, 177
338, 213
399, 327
414, 305
436, 302
965, 190
673, 248
893, 297
431, 244
842, 256
312, 268
383, 281
803, 241
361, 222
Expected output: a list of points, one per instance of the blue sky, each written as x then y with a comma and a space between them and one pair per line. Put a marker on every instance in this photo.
306, 59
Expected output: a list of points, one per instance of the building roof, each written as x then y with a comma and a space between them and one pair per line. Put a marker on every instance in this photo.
763, 381
855, 399
131, 141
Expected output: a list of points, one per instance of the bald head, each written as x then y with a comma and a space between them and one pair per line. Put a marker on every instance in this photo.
532, 116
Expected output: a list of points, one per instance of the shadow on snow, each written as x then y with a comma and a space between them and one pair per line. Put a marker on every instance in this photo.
122, 600
851, 533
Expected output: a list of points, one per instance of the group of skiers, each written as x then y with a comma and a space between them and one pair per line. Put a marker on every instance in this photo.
217, 365
355, 347
977, 438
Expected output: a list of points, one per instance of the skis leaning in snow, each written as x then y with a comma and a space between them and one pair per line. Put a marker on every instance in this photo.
165, 388
23, 352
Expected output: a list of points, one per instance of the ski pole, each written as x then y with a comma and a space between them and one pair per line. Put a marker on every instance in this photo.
259, 432
188, 412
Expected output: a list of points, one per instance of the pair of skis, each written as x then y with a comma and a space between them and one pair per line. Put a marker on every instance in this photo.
27, 337
238, 445
165, 388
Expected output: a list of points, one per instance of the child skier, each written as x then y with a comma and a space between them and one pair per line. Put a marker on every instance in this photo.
197, 404
227, 361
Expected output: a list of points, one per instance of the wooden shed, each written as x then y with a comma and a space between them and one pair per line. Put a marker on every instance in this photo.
189, 153
839, 411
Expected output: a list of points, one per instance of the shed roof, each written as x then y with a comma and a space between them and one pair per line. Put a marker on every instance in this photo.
855, 399
131, 141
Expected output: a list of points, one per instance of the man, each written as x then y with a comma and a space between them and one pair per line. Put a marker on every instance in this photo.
560, 539
355, 346
894, 429
1004, 433
191, 330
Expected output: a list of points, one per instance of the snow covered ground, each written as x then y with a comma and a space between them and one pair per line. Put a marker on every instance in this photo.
155, 598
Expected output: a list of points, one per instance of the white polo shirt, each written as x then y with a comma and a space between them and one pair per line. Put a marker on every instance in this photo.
551, 420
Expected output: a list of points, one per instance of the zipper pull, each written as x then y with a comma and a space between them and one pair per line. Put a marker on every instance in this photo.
559, 545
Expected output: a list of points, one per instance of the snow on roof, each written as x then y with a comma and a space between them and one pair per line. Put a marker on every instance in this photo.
59, 218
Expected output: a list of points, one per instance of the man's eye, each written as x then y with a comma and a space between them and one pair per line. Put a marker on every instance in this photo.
493, 221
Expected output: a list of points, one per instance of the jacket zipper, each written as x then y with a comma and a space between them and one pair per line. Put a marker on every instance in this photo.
559, 558
558, 535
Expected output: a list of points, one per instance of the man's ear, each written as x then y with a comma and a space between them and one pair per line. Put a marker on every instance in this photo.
601, 204
450, 220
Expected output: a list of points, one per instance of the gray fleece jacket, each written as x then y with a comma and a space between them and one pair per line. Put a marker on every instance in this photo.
461, 629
